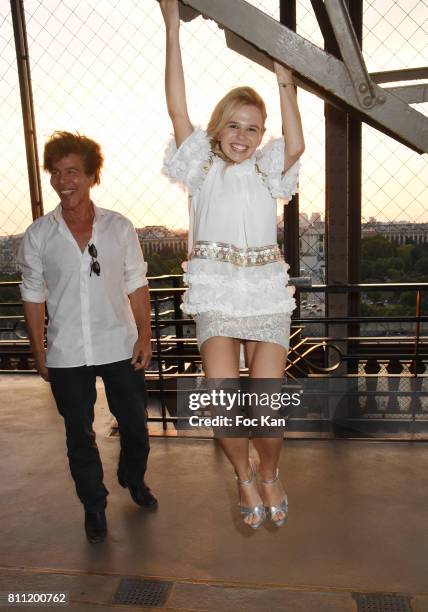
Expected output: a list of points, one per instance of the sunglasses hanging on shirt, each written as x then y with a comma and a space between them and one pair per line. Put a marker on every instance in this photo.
95, 266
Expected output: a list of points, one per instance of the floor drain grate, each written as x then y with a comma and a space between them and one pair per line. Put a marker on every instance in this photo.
382, 603
142, 592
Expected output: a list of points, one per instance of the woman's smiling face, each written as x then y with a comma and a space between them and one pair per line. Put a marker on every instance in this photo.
242, 134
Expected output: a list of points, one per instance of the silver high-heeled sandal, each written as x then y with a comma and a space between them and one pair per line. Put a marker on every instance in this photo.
281, 507
259, 510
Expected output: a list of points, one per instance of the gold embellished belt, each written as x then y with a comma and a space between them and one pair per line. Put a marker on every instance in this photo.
251, 256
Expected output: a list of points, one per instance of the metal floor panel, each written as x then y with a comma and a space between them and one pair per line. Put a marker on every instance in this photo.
382, 603
150, 593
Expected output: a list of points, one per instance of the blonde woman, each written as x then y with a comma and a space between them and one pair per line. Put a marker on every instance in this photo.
236, 276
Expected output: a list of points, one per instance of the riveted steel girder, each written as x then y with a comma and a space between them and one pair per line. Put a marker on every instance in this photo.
412, 94
318, 71
351, 52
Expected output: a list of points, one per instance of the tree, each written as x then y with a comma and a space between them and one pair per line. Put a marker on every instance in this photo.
165, 261
375, 247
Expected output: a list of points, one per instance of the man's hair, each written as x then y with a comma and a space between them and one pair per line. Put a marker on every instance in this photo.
61, 144
226, 107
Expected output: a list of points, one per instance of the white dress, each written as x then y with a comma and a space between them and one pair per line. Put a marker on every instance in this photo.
236, 275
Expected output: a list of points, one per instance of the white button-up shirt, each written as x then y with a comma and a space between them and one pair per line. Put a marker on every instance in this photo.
90, 318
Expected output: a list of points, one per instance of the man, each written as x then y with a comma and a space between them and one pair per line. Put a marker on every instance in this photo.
86, 262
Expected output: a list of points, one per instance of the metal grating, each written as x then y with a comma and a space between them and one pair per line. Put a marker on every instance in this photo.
151, 593
382, 603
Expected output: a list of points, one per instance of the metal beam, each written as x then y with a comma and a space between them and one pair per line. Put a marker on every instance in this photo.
187, 13
412, 94
350, 51
291, 217
241, 46
406, 74
327, 31
21, 46
355, 8
324, 73
337, 204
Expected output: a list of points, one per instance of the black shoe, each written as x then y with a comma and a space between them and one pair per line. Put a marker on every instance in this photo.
141, 495
95, 526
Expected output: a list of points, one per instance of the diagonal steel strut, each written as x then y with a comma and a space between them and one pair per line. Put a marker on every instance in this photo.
318, 70
350, 51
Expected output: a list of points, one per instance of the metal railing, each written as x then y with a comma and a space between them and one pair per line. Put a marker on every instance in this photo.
375, 358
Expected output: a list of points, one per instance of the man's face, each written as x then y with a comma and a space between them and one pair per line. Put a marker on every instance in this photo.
71, 183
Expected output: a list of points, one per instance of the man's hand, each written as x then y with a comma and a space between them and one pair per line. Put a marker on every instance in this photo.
142, 353
34, 313
140, 306
41, 368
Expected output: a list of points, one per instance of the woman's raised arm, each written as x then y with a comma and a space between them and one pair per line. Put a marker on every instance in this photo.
291, 121
175, 89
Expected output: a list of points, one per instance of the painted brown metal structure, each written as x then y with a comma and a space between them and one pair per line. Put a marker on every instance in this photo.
343, 82
23, 62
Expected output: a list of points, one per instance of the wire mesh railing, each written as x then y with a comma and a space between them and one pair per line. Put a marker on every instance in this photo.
394, 188
384, 395
15, 211
97, 67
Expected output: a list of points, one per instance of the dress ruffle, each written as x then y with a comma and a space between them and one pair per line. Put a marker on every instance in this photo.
270, 162
189, 164
240, 292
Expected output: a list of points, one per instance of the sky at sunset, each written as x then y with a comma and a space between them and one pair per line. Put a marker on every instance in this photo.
97, 68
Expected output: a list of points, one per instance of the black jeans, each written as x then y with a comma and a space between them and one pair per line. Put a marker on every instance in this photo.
75, 395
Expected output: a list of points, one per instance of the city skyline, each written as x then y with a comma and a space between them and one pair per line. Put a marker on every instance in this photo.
311, 240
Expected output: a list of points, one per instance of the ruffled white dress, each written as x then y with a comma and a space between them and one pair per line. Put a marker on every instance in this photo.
237, 279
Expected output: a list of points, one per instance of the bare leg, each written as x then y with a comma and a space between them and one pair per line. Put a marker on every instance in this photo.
267, 360
220, 358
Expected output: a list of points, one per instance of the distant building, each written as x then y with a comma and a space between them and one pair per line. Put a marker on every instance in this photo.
401, 232
154, 238
9, 246
312, 246
312, 239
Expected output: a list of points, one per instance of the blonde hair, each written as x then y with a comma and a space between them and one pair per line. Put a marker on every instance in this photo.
225, 108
